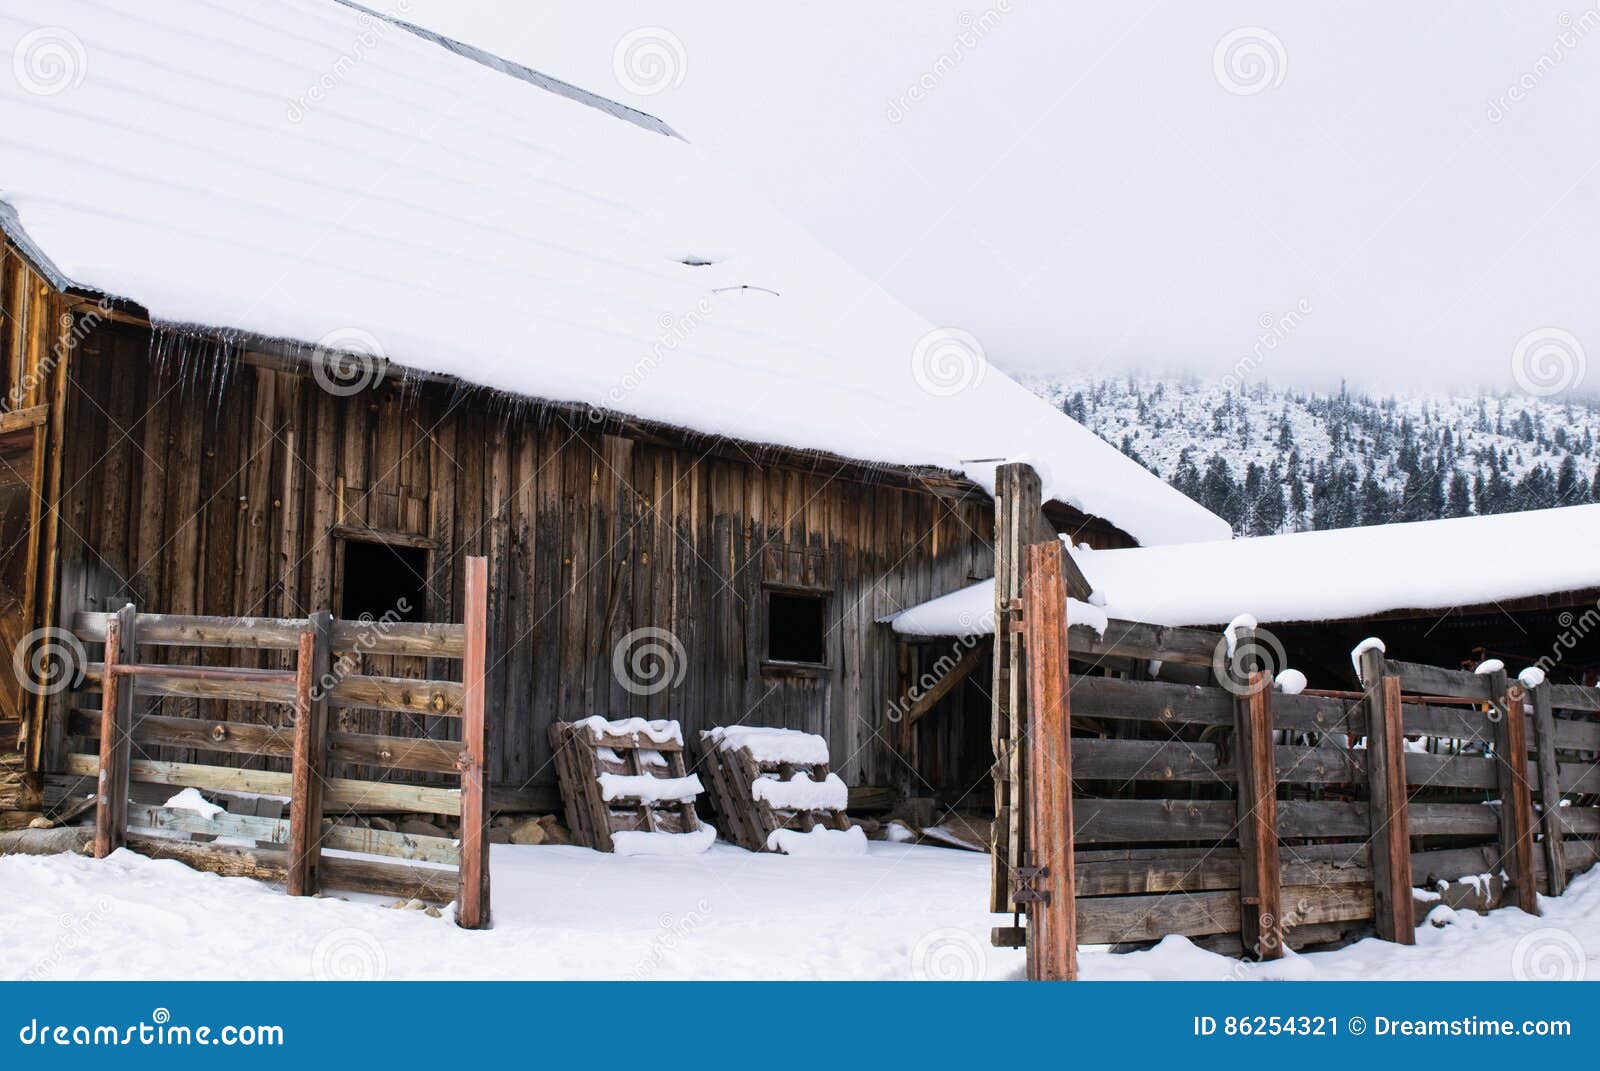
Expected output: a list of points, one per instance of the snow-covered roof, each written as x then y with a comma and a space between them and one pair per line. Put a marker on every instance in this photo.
304, 171
1318, 576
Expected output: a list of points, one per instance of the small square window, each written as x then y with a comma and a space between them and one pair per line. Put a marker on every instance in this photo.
796, 628
383, 581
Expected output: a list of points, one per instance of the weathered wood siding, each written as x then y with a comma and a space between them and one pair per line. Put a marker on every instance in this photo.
195, 496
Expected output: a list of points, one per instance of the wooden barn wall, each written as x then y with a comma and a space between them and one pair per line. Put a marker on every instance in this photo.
194, 497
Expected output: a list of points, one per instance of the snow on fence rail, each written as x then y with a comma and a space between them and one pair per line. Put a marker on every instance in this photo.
1268, 820
316, 683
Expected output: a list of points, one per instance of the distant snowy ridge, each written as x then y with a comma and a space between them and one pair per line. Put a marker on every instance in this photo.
1271, 459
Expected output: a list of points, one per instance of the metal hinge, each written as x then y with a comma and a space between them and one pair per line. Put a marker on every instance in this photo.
1026, 882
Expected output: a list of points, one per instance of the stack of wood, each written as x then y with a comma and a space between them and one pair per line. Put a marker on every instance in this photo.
623, 785
19, 798
769, 785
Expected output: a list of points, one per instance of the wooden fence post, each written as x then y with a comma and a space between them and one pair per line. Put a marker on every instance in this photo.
472, 900
1388, 809
313, 679
1554, 824
1516, 795
1051, 898
117, 698
1016, 507
1260, 872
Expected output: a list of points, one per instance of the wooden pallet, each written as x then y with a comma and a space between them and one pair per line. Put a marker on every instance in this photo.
748, 821
582, 755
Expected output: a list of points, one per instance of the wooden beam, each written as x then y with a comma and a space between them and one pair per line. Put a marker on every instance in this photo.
116, 738
23, 419
472, 900
1261, 921
945, 683
1516, 793
1053, 920
1388, 809
1549, 774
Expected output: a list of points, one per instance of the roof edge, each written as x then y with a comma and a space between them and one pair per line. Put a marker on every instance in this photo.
643, 120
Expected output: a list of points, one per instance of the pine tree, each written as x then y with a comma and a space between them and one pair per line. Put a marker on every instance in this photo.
1568, 485
1458, 503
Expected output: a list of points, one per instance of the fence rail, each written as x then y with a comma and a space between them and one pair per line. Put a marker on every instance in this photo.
291, 850
1243, 814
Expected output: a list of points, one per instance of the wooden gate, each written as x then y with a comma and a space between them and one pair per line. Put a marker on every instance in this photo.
319, 680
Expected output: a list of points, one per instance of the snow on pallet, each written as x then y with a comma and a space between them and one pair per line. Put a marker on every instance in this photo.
625, 789
773, 792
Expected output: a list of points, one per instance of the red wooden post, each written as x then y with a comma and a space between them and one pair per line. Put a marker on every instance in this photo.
1048, 877
1260, 873
313, 667
472, 901
1389, 811
1516, 794
116, 736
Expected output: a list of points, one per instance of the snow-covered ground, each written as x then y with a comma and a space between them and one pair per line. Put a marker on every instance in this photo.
898, 912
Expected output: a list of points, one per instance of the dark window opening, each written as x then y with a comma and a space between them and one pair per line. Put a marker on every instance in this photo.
384, 582
796, 630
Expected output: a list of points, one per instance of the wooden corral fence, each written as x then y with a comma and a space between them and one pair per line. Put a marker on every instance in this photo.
1252, 820
291, 850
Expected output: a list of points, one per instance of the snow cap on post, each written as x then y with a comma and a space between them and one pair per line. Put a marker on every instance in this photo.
1371, 643
1531, 678
1488, 666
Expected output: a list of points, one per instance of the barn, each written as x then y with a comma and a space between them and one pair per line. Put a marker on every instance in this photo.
301, 315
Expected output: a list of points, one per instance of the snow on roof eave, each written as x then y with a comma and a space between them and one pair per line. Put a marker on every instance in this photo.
11, 226
524, 74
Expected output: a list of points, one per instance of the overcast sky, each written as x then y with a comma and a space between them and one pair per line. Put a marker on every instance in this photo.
1114, 185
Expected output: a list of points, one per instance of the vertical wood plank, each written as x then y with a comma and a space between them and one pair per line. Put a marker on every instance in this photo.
1260, 877
1052, 922
116, 736
310, 749
472, 903
1516, 794
1388, 809
1554, 826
